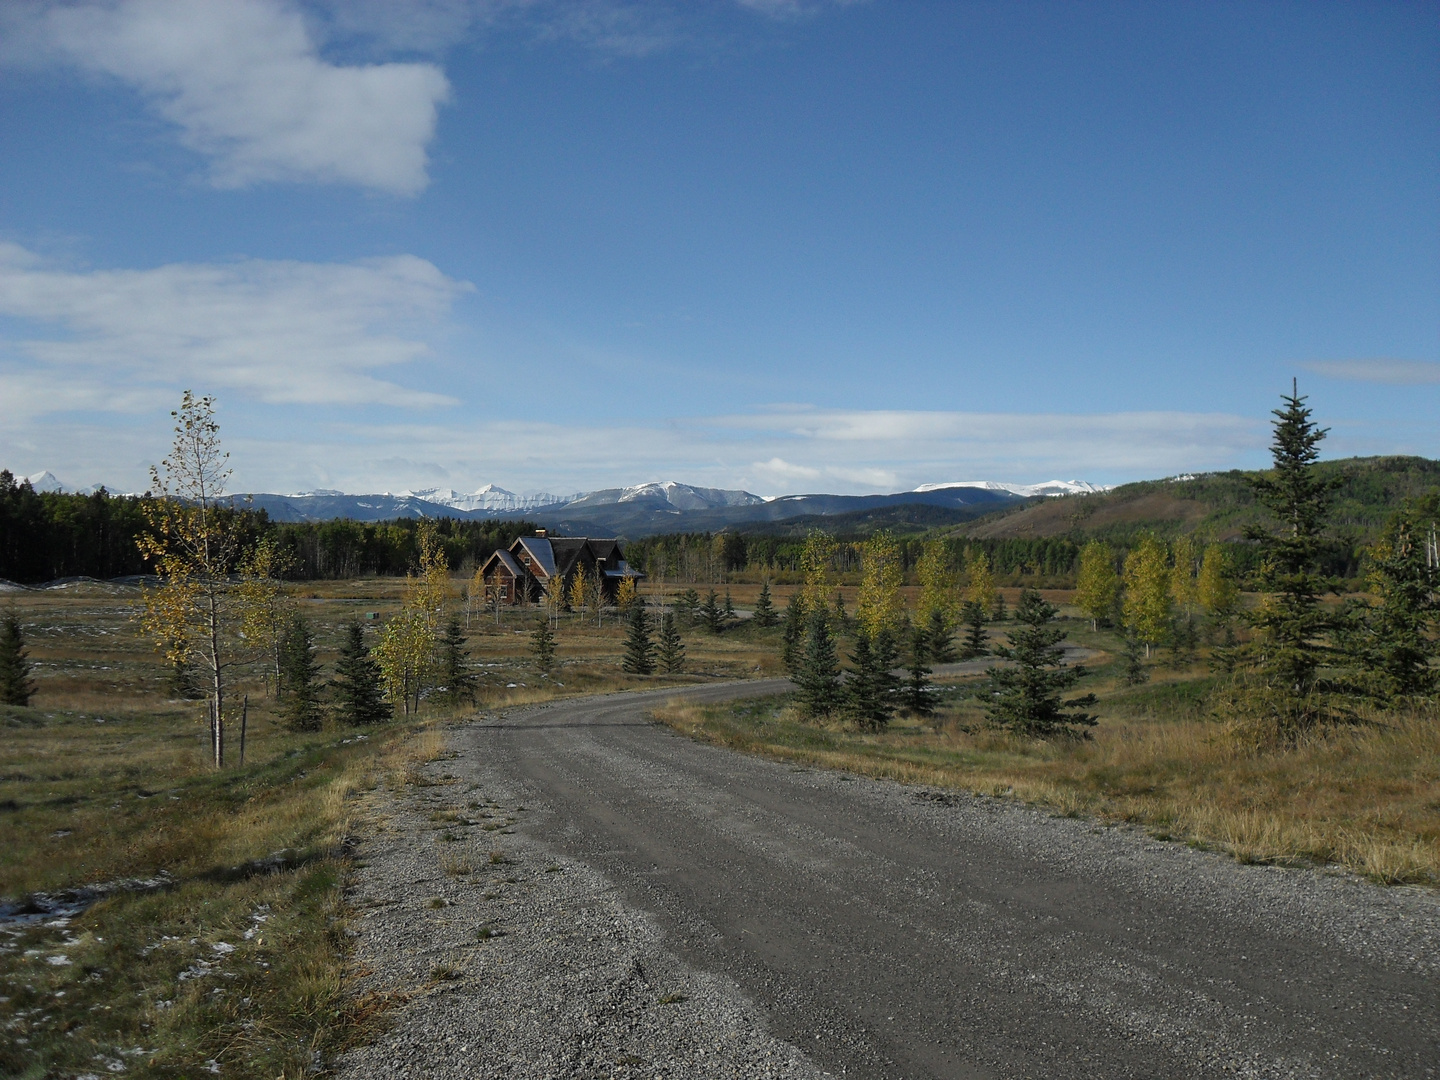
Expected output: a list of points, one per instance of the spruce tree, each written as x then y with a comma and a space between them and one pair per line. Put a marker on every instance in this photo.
688, 605
794, 635
1395, 642
729, 607
972, 615
1135, 672
819, 674
542, 644
639, 656
1026, 699
672, 648
862, 698
764, 614
918, 691
359, 692
711, 614
16, 687
998, 612
941, 639
299, 673
1278, 693
455, 674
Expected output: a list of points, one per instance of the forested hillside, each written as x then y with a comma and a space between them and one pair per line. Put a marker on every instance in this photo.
1217, 506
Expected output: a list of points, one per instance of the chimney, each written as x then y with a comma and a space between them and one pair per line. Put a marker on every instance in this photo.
540, 532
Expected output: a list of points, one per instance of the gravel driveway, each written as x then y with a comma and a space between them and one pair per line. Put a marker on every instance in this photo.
666, 908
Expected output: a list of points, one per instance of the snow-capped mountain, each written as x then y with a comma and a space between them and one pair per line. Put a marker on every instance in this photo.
489, 497
1025, 491
45, 481
668, 494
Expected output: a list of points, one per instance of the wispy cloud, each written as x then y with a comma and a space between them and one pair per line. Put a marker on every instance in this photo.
1379, 370
276, 332
246, 87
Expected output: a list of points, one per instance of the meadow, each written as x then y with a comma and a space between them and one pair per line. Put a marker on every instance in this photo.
163, 917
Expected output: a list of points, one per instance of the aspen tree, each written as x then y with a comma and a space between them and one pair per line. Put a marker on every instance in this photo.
1098, 584
815, 561
880, 577
937, 585
193, 540
1147, 592
981, 589
266, 605
406, 652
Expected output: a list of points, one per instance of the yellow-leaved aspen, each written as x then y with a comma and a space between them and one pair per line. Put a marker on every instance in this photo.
815, 560
1147, 592
266, 605
981, 589
937, 584
879, 606
193, 541
1182, 573
1216, 590
1098, 584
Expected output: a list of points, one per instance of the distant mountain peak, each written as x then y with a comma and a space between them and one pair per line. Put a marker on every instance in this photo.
1050, 488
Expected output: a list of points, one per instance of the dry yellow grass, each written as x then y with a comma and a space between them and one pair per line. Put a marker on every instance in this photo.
1366, 798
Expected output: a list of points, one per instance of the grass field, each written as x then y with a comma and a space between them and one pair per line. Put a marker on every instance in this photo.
214, 930
218, 934
1366, 798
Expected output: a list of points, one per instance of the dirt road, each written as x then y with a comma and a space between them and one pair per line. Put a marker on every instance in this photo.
889, 931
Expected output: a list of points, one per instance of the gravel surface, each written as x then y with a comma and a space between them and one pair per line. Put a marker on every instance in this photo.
886, 930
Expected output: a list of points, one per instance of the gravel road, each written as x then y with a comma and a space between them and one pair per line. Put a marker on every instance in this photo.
670, 909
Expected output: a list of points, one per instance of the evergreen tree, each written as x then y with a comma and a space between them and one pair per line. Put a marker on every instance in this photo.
1098, 584
711, 615
1394, 643
183, 683
16, 687
941, 639
794, 635
972, 616
672, 648
871, 689
842, 619
1026, 698
998, 611
542, 645
1278, 692
1135, 672
764, 614
455, 674
729, 613
918, 691
299, 671
359, 689
639, 649
819, 674
688, 605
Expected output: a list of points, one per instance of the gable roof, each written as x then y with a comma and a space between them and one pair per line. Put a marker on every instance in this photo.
541, 552
506, 560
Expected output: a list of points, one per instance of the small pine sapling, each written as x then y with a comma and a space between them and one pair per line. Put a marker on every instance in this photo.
819, 674
358, 686
1025, 698
764, 615
729, 607
16, 686
919, 694
711, 614
941, 637
972, 616
672, 648
300, 673
455, 673
639, 656
542, 645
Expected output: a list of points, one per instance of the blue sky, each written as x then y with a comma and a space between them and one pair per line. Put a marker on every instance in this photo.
786, 246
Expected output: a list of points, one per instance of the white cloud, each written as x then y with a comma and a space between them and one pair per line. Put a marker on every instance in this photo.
279, 332
245, 84
1393, 372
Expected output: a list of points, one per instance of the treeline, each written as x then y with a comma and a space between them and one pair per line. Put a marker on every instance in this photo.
49, 535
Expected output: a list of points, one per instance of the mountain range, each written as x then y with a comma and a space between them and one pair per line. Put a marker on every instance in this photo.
643, 509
